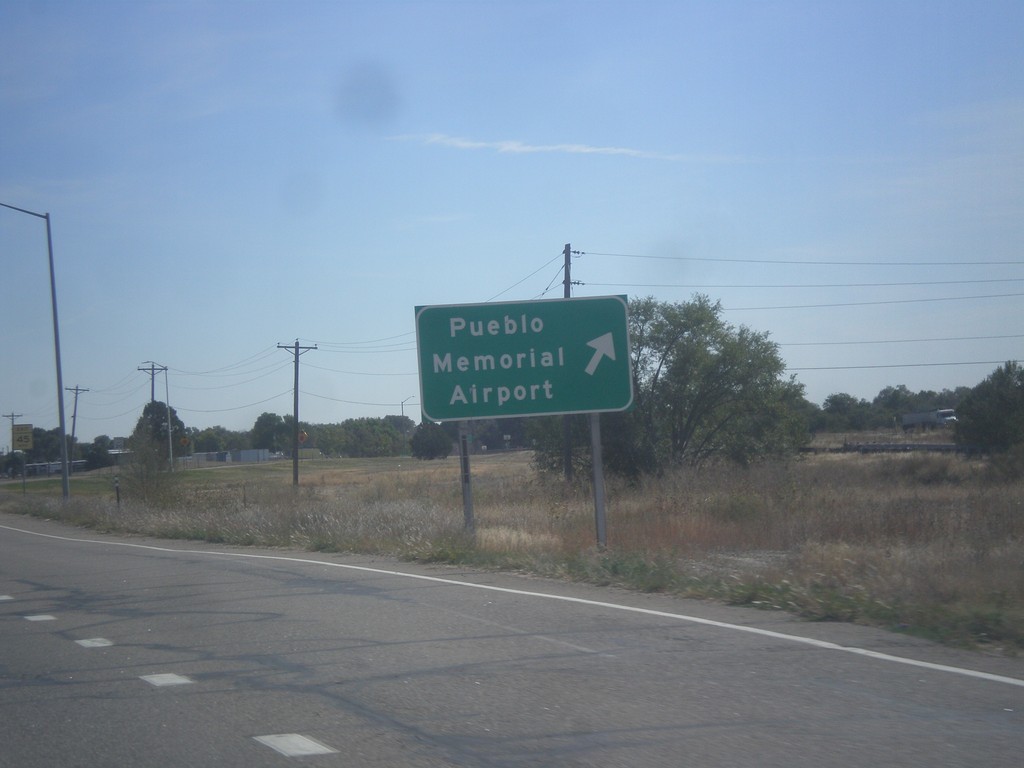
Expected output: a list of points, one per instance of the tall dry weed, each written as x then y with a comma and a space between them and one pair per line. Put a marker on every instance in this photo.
933, 544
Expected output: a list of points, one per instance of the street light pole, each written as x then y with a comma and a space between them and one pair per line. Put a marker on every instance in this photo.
65, 479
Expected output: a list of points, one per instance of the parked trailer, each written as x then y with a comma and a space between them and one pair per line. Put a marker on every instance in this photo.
941, 417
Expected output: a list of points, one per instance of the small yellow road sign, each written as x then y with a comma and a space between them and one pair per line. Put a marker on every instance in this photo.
21, 437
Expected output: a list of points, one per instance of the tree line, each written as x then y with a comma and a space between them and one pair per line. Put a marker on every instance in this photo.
703, 389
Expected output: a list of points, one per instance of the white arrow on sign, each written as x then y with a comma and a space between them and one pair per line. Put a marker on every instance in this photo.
604, 346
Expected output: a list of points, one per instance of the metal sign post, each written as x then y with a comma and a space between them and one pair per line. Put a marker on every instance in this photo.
467, 488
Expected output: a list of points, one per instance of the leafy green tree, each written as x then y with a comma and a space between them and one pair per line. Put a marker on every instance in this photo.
272, 432
369, 437
430, 441
217, 438
403, 425
13, 464
992, 415
45, 446
150, 443
97, 454
706, 388
329, 438
498, 434
153, 423
892, 402
702, 389
845, 413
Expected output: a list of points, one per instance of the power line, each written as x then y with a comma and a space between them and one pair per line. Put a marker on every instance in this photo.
357, 373
896, 341
262, 355
128, 379
364, 343
405, 346
554, 281
811, 285
542, 266
811, 262
270, 370
347, 402
118, 415
124, 396
235, 408
875, 303
895, 365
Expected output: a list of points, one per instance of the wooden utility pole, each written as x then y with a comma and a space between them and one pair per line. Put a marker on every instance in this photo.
567, 420
12, 416
296, 350
74, 417
152, 370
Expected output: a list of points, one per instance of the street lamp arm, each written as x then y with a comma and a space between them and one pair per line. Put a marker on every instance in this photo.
22, 210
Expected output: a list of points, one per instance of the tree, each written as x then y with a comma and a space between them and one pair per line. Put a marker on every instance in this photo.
401, 424
97, 454
892, 402
430, 441
702, 389
330, 439
213, 439
706, 388
843, 412
153, 423
150, 444
992, 415
369, 437
272, 432
498, 434
45, 446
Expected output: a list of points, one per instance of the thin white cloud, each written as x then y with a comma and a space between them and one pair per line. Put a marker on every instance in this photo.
516, 147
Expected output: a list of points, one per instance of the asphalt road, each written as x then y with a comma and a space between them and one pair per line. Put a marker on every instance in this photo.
136, 652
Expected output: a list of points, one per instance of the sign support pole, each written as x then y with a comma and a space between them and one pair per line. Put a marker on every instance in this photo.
467, 488
598, 461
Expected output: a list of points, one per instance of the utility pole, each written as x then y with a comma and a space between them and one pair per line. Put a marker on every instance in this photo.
153, 370
567, 420
74, 416
12, 416
296, 350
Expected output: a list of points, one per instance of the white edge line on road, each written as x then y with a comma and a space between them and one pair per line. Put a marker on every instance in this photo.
823, 644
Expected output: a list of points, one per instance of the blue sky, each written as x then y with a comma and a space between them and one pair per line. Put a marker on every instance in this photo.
224, 177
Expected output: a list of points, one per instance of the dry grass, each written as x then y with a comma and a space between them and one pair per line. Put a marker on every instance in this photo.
931, 544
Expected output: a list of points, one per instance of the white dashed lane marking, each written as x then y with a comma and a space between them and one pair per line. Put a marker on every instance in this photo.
287, 744
294, 745
168, 678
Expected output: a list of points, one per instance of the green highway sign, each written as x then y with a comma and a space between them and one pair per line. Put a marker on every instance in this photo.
528, 358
